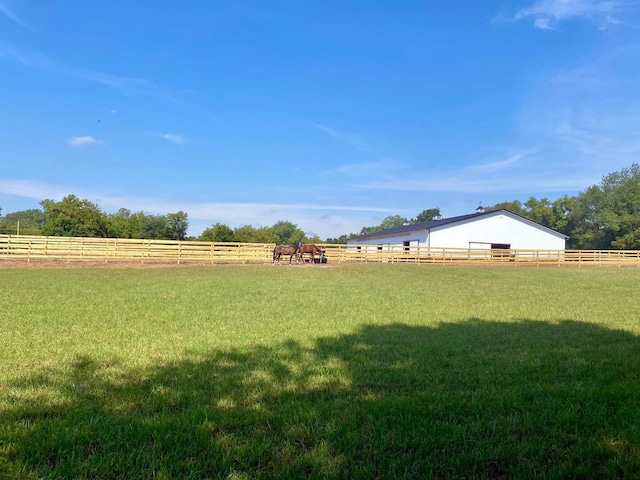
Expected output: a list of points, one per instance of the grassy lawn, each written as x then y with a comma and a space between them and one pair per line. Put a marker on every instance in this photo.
362, 371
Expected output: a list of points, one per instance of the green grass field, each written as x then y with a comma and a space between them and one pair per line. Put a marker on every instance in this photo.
362, 371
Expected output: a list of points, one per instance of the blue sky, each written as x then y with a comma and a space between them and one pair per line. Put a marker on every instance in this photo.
329, 114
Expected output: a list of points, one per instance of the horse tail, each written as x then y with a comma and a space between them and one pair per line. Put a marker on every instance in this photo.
275, 250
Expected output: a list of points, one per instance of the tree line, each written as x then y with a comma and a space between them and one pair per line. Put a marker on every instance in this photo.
75, 217
604, 216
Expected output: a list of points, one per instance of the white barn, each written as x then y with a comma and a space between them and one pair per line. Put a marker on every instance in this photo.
497, 229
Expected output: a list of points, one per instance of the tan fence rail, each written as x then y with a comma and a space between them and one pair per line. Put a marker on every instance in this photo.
468, 256
33, 248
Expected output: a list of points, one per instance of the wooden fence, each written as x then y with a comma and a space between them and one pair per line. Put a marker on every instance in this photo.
36, 248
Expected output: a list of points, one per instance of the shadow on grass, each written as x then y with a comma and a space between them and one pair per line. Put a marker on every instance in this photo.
479, 399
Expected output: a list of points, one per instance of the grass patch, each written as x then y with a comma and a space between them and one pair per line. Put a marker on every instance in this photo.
366, 371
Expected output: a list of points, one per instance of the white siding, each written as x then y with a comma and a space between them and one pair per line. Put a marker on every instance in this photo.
502, 228
417, 238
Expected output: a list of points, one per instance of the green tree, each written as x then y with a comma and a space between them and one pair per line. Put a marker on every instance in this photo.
427, 215
607, 215
124, 224
562, 208
620, 211
299, 236
73, 217
550, 214
177, 225
153, 227
315, 239
391, 221
218, 233
341, 240
30, 222
249, 234
515, 207
587, 228
285, 231
121, 224
540, 211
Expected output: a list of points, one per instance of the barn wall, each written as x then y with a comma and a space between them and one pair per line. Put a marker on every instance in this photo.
500, 228
417, 238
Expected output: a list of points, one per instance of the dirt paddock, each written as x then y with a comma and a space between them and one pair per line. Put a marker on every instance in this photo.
136, 264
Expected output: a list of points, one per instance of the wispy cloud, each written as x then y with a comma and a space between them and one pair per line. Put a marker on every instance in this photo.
327, 219
31, 189
85, 141
546, 14
170, 137
177, 139
355, 141
126, 85
520, 172
511, 160
378, 164
510, 172
10, 14
466, 181
587, 114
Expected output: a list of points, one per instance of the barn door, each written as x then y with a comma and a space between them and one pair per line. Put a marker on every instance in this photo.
501, 251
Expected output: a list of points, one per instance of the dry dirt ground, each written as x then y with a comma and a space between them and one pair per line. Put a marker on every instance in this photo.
137, 264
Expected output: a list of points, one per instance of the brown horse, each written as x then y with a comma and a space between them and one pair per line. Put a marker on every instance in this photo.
284, 250
312, 249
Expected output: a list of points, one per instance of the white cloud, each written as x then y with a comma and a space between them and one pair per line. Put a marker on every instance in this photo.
547, 13
170, 137
587, 114
84, 141
10, 14
177, 139
511, 160
355, 141
30, 189
522, 171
